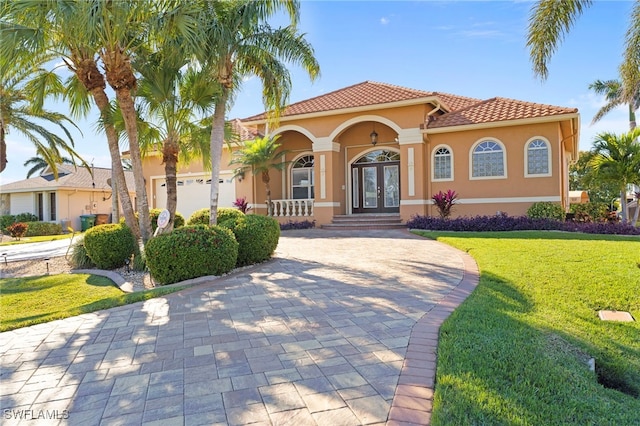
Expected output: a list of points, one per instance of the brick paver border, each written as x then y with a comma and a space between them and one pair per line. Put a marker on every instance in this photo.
413, 399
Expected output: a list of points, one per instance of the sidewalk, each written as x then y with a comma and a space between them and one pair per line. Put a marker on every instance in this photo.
325, 334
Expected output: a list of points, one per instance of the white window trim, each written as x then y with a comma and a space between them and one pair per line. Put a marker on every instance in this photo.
526, 158
290, 171
504, 159
433, 164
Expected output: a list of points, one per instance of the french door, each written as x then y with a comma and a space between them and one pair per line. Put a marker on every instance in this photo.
375, 187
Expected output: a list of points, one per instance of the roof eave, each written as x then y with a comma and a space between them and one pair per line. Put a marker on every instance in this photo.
409, 102
504, 123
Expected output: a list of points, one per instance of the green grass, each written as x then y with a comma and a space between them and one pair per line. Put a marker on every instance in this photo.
34, 300
44, 238
514, 352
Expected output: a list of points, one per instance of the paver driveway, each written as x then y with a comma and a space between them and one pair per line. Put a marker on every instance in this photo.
316, 336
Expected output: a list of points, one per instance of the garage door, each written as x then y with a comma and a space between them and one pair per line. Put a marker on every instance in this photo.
194, 192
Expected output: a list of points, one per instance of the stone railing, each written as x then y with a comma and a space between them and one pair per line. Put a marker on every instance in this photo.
292, 208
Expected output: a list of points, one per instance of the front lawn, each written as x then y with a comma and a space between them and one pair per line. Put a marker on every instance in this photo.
517, 350
40, 239
34, 300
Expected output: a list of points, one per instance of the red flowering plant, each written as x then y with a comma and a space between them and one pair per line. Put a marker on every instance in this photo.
18, 230
444, 201
242, 205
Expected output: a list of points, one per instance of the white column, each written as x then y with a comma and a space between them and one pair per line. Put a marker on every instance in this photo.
411, 165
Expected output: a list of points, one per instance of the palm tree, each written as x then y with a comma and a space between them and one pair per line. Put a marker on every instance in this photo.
238, 42
612, 91
616, 159
171, 97
551, 20
62, 31
260, 156
39, 164
23, 88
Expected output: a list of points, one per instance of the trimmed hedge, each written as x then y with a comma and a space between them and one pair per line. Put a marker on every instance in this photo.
178, 221
546, 210
109, 245
37, 229
257, 235
191, 251
202, 216
517, 223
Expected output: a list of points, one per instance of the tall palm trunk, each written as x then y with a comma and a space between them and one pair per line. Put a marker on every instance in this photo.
87, 72
266, 179
632, 117
125, 100
623, 206
170, 151
3, 147
216, 145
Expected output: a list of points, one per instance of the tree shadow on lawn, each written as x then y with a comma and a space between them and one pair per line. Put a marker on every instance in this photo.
496, 366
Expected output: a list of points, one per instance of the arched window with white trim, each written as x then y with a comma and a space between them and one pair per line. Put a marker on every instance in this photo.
537, 158
488, 160
442, 163
302, 178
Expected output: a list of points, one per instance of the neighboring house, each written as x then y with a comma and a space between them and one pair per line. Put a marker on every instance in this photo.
63, 201
379, 148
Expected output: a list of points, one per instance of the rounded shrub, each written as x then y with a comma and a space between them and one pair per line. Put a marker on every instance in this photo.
202, 216
178, 221
191, 251
546, 210
199, 217
109, 245
226, 213
257, 235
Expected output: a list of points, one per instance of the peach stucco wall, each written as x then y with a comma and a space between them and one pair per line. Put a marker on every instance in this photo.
337, 140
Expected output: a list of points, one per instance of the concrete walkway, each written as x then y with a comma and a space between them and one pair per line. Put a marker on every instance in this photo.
331, 332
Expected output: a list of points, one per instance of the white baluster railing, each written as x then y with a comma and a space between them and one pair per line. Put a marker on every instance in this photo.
292, 208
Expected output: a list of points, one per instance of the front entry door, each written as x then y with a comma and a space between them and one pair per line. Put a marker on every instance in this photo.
376, 187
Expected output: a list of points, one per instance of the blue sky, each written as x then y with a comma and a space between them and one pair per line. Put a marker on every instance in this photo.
469, 48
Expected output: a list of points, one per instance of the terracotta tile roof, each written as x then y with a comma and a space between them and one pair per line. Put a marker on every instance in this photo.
244, 132
495, 110
365, 94
68, 178
459, 110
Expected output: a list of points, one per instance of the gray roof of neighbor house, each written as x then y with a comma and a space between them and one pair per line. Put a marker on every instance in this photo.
69, 177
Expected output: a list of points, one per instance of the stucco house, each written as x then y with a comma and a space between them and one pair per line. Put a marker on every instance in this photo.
379, 149
63, 201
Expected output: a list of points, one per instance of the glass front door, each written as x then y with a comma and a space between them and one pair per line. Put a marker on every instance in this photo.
376, 187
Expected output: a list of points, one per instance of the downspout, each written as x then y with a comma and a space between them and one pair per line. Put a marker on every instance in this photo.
563, 164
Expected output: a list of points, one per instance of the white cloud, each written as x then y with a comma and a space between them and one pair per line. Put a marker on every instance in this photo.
384, 21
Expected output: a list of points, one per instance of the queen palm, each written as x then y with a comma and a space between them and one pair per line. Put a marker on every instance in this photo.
613, 94
616, 159
171, 98
549, 22
38, 164
238, 42
62, 30
23, 87
260, 156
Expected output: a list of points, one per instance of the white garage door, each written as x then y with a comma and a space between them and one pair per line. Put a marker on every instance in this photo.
194, 192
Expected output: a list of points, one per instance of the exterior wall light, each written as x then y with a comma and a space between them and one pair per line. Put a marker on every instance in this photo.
374, 137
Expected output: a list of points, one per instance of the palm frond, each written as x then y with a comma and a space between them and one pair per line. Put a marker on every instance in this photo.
549, 22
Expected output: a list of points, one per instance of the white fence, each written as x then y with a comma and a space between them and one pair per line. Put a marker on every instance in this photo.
292, 208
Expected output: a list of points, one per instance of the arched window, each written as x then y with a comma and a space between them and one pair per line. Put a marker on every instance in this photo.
488, 160
302, 178
442, 164
537, 158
